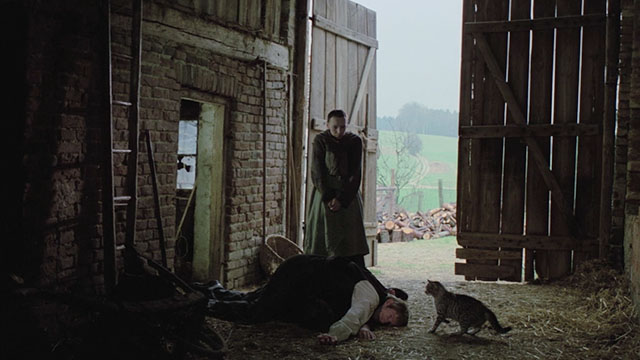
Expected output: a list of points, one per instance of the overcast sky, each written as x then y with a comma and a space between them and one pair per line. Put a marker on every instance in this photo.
419, 53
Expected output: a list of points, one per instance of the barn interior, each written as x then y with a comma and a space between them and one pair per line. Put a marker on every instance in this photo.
112, 106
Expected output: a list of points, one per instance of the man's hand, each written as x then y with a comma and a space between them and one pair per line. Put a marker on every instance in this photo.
366, 333
334, 205
326, 339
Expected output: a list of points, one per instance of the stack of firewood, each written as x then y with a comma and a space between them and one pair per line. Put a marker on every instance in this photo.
406, 226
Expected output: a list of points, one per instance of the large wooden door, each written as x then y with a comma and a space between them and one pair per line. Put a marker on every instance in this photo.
343, 76
530, 148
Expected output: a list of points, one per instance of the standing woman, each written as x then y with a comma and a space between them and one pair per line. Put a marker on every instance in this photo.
334, 221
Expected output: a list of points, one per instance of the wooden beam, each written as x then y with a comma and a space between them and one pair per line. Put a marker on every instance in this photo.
480, 270
608, 125
466, 253
363, 82
298, 120
500, 131
328, 25
539, 242
563, 206
534, 24
172, 24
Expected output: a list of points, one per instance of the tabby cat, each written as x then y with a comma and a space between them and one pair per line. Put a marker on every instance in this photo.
467, 311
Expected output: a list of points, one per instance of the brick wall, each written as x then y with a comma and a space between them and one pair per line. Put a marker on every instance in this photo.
622, 131
64, 149
632, 196
61, 229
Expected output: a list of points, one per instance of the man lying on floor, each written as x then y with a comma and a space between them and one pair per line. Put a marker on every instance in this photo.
328, 294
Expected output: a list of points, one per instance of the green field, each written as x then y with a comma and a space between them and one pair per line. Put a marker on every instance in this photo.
436, 161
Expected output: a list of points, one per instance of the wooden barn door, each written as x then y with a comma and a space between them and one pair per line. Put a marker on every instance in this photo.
531, 110
343, 76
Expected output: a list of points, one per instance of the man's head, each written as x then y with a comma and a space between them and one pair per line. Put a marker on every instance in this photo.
337, 123
394, 312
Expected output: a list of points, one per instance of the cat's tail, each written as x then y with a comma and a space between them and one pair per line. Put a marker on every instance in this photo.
491, 317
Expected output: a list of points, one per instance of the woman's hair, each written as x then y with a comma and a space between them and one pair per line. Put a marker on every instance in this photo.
336, 113
401, 309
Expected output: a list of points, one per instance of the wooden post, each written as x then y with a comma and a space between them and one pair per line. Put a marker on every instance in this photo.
440, 197
298, 120
156, 198
608, 124
392, 203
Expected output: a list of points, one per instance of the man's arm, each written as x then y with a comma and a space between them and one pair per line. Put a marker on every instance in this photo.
364, 301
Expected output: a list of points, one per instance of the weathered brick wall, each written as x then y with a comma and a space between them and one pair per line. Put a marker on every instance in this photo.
64, 150
169, 69
622, 130
632, 197
60, 221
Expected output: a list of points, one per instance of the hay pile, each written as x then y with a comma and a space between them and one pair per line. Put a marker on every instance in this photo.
603, 324
612, 320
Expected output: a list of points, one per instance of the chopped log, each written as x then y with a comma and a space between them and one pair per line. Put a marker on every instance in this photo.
389, 225
384, 236
408, 234
406, 226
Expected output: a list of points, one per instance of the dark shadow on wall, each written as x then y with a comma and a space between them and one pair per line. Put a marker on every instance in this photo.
13, 46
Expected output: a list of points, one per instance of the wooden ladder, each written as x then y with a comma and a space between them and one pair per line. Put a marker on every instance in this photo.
109, 200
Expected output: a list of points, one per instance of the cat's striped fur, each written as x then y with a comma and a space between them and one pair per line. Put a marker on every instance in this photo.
467, 311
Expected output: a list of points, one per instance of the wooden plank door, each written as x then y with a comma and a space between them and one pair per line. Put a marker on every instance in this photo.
531, 109
343, 76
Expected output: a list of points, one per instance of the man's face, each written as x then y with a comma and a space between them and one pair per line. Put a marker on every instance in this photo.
337, 126
388, 315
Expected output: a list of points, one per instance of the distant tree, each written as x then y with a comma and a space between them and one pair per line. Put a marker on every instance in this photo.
406, 145
422, 120
413, 143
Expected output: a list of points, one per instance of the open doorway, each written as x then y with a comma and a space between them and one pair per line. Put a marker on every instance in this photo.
200, 190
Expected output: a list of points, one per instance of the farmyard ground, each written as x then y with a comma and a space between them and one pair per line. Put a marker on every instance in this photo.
556, 321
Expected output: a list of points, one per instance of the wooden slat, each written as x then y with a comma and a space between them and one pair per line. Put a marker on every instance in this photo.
563, 204
345, 32
564, 148
229, 10
536, 242
200, 33
537, 207
330, 61
352, 57
342, 63
317, 96
317, 87
272, 19
243, 12
464, 253
357, 111
490, 150
609, 123
464, 194
483, 271
514, 150
541, 130
587, 208
371, 101
362, 87
548, 23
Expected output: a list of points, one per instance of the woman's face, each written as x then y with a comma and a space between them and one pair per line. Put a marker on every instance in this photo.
337, 126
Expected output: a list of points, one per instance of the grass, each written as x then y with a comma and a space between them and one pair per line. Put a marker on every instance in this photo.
436, 161
418, 259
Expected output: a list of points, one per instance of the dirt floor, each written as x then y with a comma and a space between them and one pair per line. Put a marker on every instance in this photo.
588, 316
